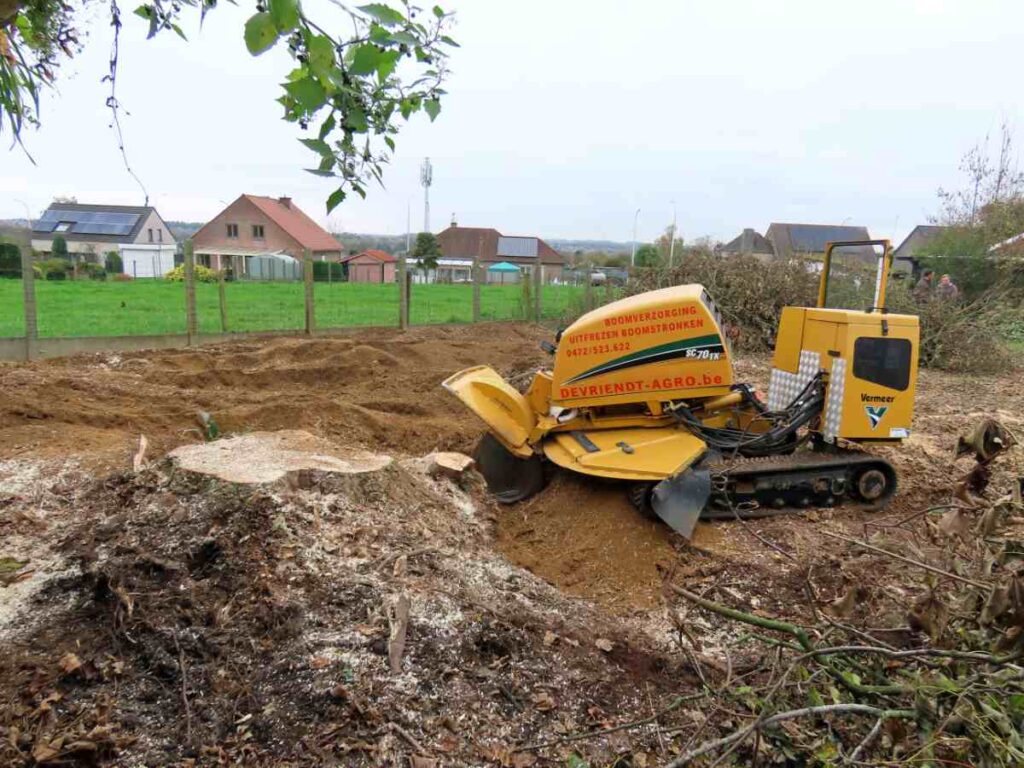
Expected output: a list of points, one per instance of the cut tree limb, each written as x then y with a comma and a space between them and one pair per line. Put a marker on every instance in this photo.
793, 714
398, 618
139, 460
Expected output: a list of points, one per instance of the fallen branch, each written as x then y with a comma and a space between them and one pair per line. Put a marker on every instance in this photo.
793, 631
901, 558
865, 742
793, 714
396, 728
676, 703
184, 689
398, 617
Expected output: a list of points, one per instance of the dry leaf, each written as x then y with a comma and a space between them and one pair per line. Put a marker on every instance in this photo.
956, 523
550, 638
604, 644
45, 751
843, 606
401, 567
319, 662
419, 761
929, 615
523, 759
543, 701
70, 663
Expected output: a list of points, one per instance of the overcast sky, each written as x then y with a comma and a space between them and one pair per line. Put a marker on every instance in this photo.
565, 117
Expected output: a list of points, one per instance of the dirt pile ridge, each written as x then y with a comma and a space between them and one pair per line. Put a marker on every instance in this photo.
378, 388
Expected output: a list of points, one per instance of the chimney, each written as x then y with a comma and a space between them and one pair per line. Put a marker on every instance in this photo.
285, 201
747, 241
454, 222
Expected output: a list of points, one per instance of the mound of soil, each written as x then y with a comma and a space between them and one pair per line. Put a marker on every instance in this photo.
377, 388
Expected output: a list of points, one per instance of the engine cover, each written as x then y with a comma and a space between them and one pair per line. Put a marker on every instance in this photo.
653, 347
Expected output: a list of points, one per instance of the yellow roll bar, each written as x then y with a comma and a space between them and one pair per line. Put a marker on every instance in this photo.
882, 279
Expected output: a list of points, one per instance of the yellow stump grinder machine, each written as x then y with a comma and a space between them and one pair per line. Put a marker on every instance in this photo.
642, 391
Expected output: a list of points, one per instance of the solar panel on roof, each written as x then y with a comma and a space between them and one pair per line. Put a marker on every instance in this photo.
117, 224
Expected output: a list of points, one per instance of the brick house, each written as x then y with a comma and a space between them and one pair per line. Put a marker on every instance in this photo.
371, 266
460, 245
136, 233
254, 226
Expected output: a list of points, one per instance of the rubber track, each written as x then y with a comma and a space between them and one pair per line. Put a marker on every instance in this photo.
722, 507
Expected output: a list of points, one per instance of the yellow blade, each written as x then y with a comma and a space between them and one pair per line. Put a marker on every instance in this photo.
494, 400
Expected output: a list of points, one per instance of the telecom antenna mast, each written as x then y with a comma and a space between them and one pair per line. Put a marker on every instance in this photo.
426, 179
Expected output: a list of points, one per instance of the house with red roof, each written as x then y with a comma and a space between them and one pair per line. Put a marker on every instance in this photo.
253, 233
371, 266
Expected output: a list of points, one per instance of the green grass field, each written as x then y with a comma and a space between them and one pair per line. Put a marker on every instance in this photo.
145, 307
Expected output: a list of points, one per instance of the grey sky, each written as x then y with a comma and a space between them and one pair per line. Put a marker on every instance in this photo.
564, 117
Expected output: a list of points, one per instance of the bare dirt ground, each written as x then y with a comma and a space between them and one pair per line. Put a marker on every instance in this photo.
163, 616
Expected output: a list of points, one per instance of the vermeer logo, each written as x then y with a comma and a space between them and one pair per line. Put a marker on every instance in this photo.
875, 413
876, 398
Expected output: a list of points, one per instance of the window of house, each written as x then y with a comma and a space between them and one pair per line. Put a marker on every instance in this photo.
151, 235
160, 235
232, 230
64, 226
257, 231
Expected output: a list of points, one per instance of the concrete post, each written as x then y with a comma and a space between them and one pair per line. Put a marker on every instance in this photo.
538, 285
477, 275
307, 275
403, 294
222, 296
28, 285
588, 294
191, 325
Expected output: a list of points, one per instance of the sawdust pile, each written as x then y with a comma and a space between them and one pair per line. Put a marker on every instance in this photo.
225, 622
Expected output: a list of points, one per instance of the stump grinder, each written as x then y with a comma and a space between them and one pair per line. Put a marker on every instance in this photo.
642, 391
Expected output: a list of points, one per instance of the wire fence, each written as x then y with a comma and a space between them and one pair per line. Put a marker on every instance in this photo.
93, 306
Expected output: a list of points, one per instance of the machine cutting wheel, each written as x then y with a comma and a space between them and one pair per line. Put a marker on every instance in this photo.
642, 391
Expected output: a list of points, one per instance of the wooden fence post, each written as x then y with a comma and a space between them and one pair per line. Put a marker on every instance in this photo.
525, 300
222, 296
191, 325
588, 294
307, 276
476, 289
28, 284
538, 284
403, 293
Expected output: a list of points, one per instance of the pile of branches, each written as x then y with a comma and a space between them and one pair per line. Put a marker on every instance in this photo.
943, 685
749, 293
967, 335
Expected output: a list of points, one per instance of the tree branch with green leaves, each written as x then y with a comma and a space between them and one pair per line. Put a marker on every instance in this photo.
354, 89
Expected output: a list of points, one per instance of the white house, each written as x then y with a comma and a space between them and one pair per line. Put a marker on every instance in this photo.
137, 233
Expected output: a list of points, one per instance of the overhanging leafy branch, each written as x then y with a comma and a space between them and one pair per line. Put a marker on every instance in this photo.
348, 86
